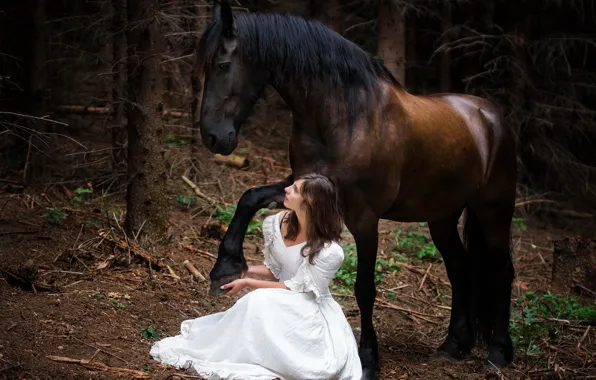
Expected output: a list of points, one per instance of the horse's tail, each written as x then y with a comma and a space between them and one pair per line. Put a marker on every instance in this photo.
480, 287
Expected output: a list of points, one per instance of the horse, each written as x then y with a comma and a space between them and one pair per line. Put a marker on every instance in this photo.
393, 155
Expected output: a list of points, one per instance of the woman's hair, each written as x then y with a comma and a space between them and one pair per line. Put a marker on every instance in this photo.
323, 212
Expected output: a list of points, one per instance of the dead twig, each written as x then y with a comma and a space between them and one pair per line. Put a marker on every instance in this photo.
425, 275
584, 336
98, 366
172, 273
102, 350
198, 191
383, 303
211, 255
133, 248
193, 270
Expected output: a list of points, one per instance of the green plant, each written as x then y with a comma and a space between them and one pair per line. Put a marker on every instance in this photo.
186, 201
81, 196
224, 216
531, 323
417, 244
345, 277
519, 222
150, 332
92, 222
174, 140
55, 215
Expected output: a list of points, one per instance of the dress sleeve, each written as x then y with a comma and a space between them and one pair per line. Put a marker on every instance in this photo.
268, 235
316, 277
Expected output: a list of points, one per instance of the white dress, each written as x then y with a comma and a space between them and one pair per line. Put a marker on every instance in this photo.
276, 333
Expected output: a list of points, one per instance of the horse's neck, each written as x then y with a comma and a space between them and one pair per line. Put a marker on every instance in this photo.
313, 113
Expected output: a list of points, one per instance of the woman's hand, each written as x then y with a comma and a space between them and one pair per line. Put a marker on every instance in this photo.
235, 286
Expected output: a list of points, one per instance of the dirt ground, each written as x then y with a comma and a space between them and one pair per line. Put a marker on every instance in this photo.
92, 299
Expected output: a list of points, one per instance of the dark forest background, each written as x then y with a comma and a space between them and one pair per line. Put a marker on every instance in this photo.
107, 194
72, 64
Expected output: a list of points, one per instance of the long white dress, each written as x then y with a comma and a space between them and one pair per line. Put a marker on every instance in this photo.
276, 333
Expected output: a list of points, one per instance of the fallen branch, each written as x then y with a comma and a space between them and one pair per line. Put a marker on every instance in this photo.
425, 275
211, 255
198, 191
528, 202
200, 251
98, 366
133, 248
232, 160
579, 344
383, 303
172, 273
417, 270
193, 270
89, 110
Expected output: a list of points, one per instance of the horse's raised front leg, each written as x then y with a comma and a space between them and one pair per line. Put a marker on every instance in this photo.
364, 228
230, 261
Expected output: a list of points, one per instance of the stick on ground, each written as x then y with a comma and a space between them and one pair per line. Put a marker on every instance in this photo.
98, 366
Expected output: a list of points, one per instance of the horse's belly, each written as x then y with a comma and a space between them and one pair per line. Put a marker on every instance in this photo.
427, 197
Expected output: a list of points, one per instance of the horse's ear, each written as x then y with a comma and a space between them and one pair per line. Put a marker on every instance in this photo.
227, 19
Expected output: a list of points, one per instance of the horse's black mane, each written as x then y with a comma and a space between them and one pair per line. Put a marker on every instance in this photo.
301, 50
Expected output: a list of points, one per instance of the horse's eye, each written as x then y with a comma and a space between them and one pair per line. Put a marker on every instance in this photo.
224, 66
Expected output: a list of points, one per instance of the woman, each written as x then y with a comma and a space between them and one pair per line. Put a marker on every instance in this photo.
290, 327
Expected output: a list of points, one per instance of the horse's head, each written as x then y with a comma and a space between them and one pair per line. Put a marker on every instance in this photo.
231, 84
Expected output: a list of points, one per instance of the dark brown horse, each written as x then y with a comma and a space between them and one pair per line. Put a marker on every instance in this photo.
393, 155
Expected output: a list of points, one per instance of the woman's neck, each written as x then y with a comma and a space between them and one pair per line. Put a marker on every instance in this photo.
301, 215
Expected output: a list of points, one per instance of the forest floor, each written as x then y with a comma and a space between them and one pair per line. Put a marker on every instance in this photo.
70, 288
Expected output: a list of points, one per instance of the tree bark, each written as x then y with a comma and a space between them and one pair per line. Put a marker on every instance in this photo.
118, 82
392, 38
197, 95
147, 203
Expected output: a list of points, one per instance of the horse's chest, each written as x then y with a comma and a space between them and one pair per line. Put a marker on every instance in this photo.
307, 155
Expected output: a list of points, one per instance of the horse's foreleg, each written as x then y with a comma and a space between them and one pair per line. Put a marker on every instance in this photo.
365, 233
230, 259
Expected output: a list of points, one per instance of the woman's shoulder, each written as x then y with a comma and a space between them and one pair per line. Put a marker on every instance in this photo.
332, 250
269, 230
275, 216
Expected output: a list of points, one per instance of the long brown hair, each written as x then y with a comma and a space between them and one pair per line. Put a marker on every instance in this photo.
323, 212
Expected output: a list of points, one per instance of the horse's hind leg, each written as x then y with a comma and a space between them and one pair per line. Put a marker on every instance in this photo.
460, 338
490, 221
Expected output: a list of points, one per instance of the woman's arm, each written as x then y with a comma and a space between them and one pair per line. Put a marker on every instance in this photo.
261, 271
237, 285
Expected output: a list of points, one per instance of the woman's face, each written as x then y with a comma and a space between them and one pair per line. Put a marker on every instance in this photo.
293, 199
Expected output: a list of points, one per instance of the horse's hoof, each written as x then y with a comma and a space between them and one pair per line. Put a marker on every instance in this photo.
450, 352
370, 374
497, 359
215, 287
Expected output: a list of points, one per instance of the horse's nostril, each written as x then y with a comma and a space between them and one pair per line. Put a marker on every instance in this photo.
211, 141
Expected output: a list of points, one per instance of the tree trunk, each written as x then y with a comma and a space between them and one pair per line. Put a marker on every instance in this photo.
147, 202
392, 36
197, 94
445, 56
118, 82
